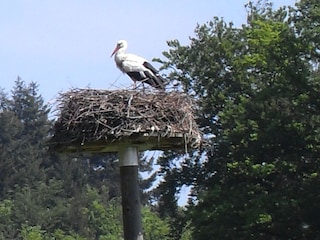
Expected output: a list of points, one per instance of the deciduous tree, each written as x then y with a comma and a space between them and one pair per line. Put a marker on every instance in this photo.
257, 94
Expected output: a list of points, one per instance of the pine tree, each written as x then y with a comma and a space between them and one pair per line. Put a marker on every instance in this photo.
24, 126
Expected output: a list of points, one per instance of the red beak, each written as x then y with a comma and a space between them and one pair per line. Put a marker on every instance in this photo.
115, 50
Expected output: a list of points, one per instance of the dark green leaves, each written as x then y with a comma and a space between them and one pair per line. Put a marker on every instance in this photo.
257, 92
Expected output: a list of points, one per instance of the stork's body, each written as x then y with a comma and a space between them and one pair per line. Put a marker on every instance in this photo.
137, 68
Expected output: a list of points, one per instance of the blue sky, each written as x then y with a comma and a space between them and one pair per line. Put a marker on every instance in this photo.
64, 44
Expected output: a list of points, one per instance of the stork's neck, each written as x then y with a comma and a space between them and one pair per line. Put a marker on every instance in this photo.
119, 53
119, 57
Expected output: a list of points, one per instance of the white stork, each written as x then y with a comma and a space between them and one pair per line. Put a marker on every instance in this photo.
137, 68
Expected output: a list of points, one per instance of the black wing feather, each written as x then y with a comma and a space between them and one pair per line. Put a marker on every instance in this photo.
150, 67
154, 79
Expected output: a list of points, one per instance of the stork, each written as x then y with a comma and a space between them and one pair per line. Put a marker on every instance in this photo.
137, 68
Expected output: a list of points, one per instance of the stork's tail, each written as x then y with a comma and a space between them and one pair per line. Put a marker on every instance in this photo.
161, 82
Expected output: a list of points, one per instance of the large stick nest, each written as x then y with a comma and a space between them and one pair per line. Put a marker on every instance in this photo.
89, 116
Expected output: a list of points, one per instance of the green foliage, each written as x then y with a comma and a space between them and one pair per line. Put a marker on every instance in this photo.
24, 126
154, 227
6, 219
104, 218
165, 195
187, 232
257, 91
61, 235
306, 21
32, 233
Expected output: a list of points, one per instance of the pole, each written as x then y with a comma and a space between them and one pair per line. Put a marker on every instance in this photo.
131, 207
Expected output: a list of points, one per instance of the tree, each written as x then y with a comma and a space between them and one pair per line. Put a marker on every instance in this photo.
24, 126
153, 226
306, 22
166, 193
256, 90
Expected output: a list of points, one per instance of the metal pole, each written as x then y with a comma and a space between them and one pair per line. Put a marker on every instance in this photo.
131, 206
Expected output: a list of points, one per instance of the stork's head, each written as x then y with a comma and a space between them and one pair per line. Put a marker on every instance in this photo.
121, 45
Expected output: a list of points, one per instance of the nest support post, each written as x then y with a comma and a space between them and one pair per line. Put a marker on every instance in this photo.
131, 206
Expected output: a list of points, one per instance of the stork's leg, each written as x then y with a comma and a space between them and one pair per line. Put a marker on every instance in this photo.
143, 87
134, 85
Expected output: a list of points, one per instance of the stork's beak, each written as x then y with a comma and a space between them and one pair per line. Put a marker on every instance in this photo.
115, 50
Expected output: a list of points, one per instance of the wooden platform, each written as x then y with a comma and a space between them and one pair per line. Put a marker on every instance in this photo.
142, 142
